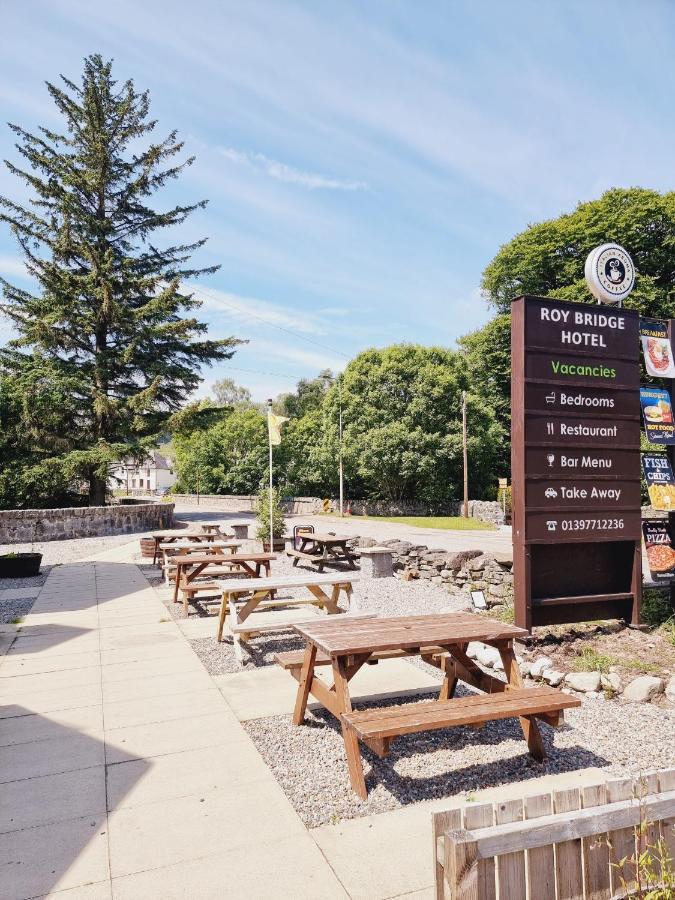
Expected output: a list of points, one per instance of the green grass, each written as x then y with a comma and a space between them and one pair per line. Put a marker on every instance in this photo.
589, 660
443, 523
503, 613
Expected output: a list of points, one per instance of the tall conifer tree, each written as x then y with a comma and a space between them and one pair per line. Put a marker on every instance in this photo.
108, 329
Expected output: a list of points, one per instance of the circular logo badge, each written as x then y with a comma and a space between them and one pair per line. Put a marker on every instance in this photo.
610, 274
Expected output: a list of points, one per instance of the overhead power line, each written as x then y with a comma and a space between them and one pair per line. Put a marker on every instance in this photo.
296, 334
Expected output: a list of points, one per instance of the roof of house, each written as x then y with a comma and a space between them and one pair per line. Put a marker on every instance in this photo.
154, 460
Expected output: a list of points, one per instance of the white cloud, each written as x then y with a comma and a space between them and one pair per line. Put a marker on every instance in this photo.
290, 175
12, 267
251, 310
305, 359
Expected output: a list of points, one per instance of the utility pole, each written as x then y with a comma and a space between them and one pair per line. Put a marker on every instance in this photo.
269, 438
465, 458
327, 381
340, 448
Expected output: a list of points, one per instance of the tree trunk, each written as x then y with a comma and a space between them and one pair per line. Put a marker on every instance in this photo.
97, 490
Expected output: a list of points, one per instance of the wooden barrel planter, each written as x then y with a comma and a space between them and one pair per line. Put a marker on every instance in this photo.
279, 546
147, 547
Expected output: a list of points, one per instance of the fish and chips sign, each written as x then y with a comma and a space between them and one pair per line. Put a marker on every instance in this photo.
576, 452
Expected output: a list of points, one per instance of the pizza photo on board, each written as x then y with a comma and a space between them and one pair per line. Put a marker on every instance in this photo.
659, 549
656, 348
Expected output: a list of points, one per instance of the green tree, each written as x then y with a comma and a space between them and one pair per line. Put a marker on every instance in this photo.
107, 325
228, 393
229, 457
308, 395
402, 426
547, 259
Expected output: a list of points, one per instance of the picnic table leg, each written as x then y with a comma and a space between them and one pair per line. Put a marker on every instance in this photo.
529, 725
449, 679
179, 571
224, 604
349, 557
306, 675
352, 750
236, 637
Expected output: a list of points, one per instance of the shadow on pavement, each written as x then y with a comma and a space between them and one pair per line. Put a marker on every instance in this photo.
53, 814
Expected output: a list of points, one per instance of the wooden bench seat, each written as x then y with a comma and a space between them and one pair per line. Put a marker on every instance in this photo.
293, 658
390, 721
300, 554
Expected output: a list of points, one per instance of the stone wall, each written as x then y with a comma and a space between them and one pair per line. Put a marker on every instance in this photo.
307, 506
21, 526
465, 570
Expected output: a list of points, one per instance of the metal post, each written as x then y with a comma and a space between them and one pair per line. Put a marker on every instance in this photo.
269, 437
198, 475
340, 448
465, 458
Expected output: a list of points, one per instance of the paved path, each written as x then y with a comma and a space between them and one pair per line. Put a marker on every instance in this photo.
123, 771
495, 541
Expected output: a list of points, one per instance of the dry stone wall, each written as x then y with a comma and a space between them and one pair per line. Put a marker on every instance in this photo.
465, 570
21, 526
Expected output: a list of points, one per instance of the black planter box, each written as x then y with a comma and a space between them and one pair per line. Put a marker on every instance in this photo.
20, 565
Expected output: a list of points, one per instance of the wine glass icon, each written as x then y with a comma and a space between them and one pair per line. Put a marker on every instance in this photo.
551, 459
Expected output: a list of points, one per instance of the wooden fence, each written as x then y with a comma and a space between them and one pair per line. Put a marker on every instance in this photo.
571, 843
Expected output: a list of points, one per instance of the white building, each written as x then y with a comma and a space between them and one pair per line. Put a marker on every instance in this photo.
155, 474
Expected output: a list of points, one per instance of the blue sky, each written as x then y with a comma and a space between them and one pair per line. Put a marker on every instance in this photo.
363, 161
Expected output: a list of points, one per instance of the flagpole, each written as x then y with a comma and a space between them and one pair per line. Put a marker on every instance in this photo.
269, 438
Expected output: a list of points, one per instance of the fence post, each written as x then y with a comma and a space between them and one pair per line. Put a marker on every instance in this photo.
461, 865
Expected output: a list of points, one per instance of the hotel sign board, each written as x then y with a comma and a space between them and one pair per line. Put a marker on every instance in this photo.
575, 460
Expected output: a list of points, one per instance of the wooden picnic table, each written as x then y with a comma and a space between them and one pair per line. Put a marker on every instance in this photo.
191, 566
171, 550
347, 644
242, 596
320, 549
211, 527
167, 537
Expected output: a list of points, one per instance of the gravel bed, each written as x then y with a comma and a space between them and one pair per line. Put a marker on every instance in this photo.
219, 659
384, 596
310, 764
57, 552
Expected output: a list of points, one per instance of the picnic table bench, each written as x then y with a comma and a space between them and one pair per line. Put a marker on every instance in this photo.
320, 549
175, 548
441, 639
190, 567
167, 537
241, 597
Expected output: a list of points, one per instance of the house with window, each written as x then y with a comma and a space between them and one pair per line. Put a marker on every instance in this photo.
155, 474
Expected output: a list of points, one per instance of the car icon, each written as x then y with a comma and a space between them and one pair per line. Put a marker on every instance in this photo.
551, 493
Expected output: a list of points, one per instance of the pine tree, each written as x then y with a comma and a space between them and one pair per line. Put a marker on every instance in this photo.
108, 329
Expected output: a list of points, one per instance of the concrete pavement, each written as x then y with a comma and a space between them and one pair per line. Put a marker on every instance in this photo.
125, 771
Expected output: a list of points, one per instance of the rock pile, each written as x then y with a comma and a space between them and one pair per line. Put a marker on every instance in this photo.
465, 570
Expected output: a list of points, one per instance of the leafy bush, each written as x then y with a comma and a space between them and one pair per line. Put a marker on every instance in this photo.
263, 515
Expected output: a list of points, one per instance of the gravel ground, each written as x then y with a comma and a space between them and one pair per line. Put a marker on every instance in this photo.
310, 764
384, 596
57, 552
